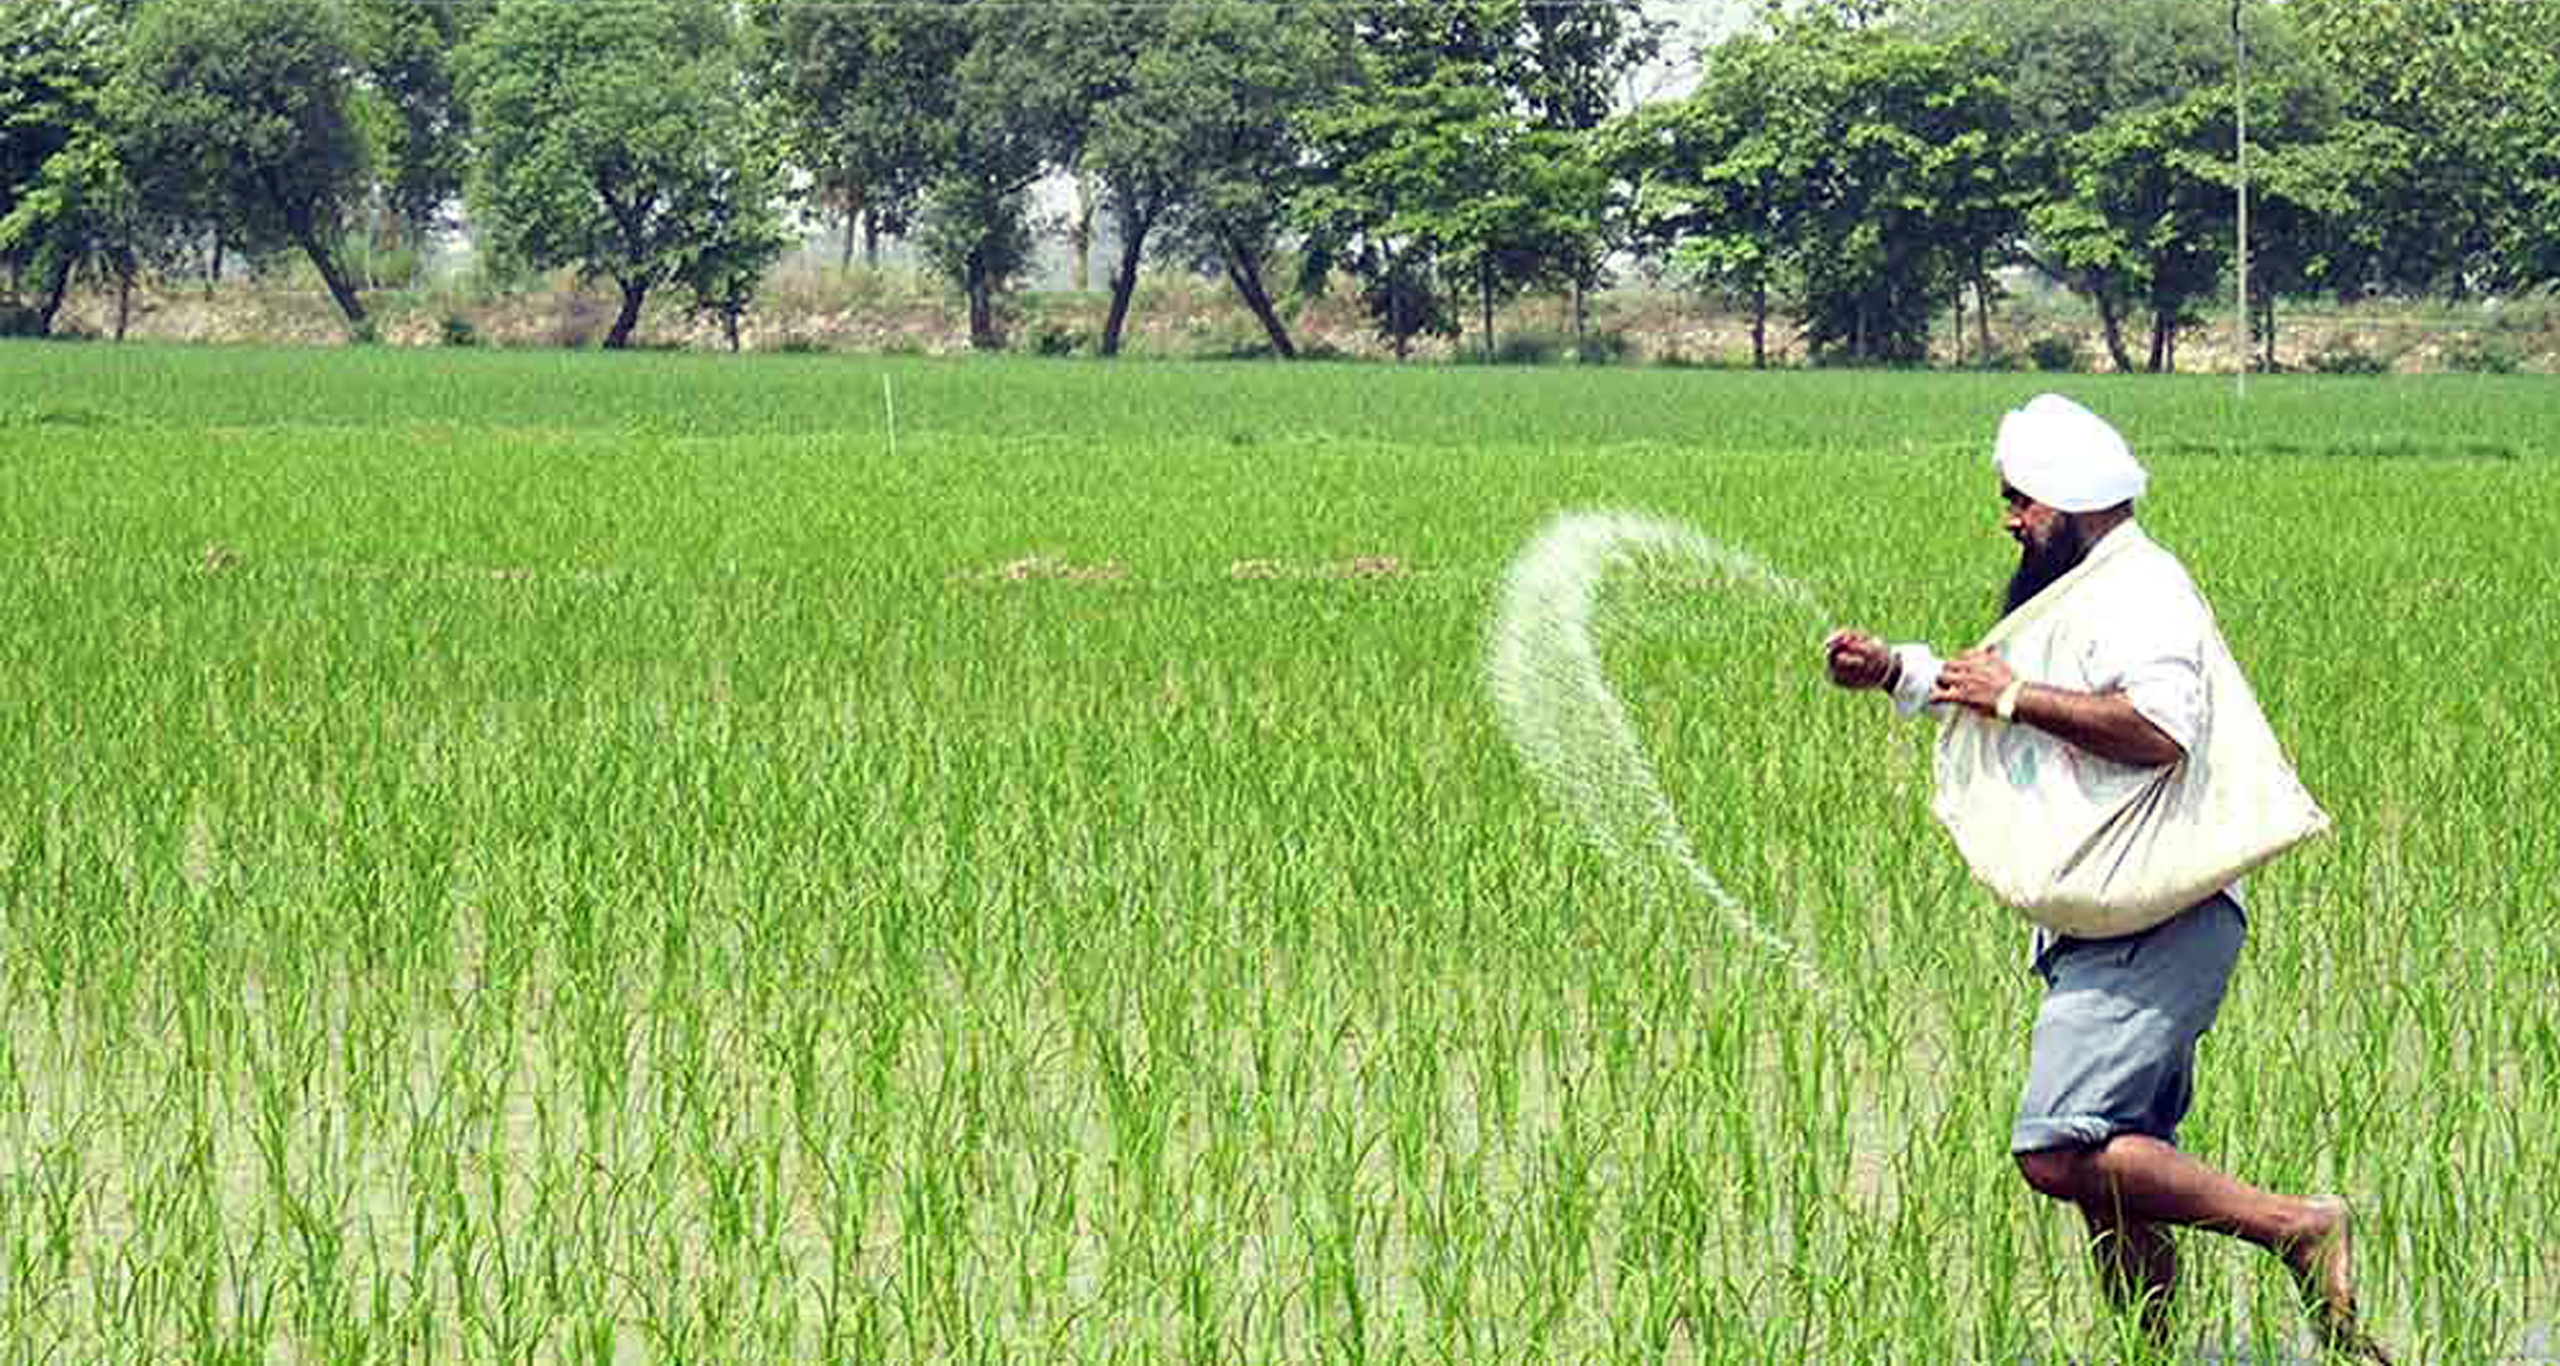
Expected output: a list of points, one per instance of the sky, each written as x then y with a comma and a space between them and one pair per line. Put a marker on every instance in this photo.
1694, 24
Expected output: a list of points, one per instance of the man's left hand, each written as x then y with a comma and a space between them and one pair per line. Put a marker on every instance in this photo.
1974, 680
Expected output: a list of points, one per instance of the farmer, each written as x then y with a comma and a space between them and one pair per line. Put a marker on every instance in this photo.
2112, 1063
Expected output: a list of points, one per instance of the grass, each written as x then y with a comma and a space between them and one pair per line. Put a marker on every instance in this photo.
592, 858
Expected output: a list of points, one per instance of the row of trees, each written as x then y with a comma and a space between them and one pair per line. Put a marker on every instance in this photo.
664, 144
1861, 165
1871, 164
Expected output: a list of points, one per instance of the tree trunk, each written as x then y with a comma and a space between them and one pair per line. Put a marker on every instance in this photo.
853, 218
340, 287
2266, 306
1081, 231
1246, 276
634, 293
1581, 312
983, 335
1124, 279
1982, 315
343, 290
2161, 356
1395, 310
871, 238
124, 302
1759, 324
1484, 287
2111, 325
57, 287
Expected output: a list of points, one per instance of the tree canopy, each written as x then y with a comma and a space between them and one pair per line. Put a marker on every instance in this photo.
1860, 166
243, 107
616, 139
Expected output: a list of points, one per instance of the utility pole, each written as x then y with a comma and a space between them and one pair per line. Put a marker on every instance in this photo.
2240, 104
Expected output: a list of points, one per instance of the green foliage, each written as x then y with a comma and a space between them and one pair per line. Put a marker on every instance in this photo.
2345, 356
1856, 168
862, 94
2450, 117
418, 129
52, 76
1527, 348
244, 107
615, 141
977, 233
2125, 150
68, 209
1194, 136
1056, 340
2057, 355
956, 109
1439, 176
374, 266
2477, 353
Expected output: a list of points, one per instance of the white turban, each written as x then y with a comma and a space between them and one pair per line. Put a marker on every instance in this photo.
2066, 457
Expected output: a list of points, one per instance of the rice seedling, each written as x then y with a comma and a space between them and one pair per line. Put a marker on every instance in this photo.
509, 855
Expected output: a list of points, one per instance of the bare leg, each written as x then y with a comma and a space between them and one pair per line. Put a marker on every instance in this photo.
2137, 1267
2141, 1179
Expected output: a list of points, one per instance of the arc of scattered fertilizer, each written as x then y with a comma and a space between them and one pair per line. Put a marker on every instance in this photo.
1543, 670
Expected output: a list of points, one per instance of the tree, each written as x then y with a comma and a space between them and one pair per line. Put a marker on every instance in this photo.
1858, 162
944, 110
1194, 144
2449, 111
420, 131
1019, 108
244, 105
859, 93
1715, 178
617, 140
1575, 58
53, 75
2126, 138
1466, 137
1394, 161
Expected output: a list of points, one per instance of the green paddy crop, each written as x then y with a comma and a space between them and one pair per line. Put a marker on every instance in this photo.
514, 856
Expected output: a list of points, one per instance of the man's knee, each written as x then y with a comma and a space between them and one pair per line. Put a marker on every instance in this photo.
2057, 1172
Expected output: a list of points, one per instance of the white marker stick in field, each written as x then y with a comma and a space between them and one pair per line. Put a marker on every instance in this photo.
1543, 668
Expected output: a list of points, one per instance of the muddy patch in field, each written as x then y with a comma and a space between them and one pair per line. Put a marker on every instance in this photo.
1357, 567
1045, 568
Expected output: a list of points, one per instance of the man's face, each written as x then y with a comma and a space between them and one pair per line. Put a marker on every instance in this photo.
2049, 545
2030, 523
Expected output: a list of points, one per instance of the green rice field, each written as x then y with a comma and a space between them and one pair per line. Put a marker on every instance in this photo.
516, 856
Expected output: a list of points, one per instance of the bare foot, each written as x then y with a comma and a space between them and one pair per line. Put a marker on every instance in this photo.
2323, 1264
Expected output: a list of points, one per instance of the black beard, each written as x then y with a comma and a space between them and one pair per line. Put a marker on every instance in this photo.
2037, 569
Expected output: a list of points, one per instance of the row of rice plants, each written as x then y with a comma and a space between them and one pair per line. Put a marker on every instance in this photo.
547, 887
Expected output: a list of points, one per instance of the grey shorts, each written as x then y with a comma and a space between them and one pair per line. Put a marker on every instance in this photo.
2115, 1044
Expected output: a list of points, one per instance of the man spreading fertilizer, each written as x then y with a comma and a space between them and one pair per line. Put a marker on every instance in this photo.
2105, 770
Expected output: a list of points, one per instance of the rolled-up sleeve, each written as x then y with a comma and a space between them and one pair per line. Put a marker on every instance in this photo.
1919, 678
2154, 655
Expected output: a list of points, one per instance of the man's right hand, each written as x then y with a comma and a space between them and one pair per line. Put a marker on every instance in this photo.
1856, 659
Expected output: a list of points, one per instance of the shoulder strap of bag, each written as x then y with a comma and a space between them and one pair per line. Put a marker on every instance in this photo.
2118, 543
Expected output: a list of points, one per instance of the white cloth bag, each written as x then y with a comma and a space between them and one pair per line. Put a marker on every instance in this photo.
2093, 849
